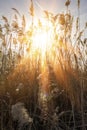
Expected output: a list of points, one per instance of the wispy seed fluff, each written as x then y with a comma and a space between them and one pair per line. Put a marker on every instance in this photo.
20, 114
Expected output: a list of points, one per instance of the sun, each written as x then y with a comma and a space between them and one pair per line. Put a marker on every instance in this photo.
40, 41
42, 38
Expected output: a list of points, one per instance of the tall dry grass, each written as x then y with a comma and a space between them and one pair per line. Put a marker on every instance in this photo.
64, 75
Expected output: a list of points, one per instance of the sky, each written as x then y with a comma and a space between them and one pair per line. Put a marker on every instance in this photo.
55, 6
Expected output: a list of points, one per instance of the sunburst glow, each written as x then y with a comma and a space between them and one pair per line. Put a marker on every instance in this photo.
40, 41
42, 38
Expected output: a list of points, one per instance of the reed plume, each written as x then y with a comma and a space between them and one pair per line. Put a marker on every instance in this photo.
21, 116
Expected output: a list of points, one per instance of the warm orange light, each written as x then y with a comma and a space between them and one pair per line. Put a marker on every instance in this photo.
42, 38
